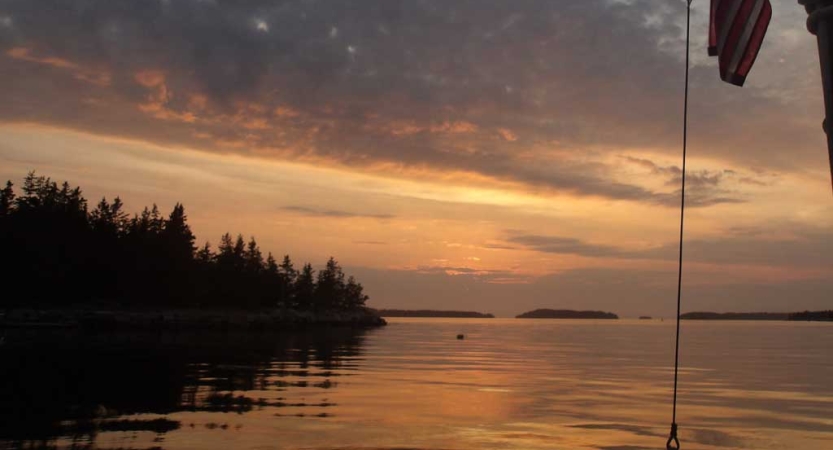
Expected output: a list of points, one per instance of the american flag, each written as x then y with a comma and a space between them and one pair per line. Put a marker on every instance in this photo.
736, 30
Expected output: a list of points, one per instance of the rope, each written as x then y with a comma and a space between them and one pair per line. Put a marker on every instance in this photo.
673, 443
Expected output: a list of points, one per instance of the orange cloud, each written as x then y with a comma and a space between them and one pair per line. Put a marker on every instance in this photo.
256, 124
197, 101
285, 112
405, 129
101, 78
24, 54
457, 127
158, 98
150, 78
507, 134
408, 128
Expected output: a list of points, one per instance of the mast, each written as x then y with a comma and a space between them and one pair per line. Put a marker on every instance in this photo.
820, 23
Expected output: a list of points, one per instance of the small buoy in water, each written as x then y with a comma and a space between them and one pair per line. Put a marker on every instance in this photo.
461, 336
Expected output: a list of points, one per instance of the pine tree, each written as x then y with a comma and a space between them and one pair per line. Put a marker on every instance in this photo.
101, 218
330, 287
204, 255
304, 288
7, 199
239, 252
272, 285
118, 216
287, 270
177, 235
68, 252
226, 247
76, 204
32, 187
140, 225
253, 257
272, 266
353, 295
155, 221
288, 276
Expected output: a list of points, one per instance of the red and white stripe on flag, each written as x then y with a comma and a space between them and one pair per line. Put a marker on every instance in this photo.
736, 31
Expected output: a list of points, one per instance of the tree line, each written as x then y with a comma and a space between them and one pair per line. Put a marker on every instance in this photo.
59, 253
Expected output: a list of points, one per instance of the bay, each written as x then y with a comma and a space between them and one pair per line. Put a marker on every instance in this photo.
525, 384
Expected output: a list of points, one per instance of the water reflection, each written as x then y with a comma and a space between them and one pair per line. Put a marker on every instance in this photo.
61, 389
525, 384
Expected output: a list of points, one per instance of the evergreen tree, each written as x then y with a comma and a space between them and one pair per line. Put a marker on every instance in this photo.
239, 252
353, 294
204, 255
109, 219
231, 254
226, 248
33, 187
272, 266
304, 288
177, 235
100, 218
7, 199
287, 270
155, 221
139, 224
330, 287
288, 278
65, 253
272, 283
253, 257
76, 204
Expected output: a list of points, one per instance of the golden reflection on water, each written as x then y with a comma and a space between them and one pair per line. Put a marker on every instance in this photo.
521, 384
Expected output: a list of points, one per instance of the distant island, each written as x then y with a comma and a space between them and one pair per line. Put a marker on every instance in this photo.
645, 317
76, 266
821, 316
795, 316
707, 315
432, 313
565, 314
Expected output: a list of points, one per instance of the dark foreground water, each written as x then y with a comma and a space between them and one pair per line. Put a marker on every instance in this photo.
520, 384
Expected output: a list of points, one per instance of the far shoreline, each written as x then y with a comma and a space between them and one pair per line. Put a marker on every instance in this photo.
566, 314
185, 319
429, 313
807, 316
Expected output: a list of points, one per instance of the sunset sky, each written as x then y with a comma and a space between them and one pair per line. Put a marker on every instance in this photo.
487, 155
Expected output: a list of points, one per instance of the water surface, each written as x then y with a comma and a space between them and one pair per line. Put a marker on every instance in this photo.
525, 384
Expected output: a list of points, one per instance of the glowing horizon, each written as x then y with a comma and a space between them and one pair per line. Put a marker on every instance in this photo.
500, 164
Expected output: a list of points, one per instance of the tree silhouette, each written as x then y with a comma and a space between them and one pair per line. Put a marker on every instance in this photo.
6, 199
68, 256
329, 290
253, 257
177, 235
204, 255
353, 294
304, 289
109, 219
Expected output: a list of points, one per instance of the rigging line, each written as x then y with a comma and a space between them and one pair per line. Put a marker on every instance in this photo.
673, 443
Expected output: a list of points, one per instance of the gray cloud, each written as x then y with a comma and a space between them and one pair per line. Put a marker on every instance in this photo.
565, 245
802, 247
464, 85
306, 211
703, 187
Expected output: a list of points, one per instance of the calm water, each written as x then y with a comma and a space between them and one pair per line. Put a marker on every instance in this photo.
524, 384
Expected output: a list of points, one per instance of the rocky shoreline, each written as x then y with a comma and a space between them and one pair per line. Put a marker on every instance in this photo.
189, 319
